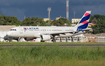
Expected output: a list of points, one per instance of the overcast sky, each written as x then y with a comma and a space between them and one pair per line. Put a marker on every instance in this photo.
38, 8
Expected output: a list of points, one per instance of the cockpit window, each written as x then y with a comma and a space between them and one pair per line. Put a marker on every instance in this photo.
13, 30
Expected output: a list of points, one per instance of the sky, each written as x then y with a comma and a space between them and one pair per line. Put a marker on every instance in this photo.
38, 8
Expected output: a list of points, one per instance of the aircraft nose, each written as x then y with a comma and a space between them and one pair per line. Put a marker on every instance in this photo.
8, 33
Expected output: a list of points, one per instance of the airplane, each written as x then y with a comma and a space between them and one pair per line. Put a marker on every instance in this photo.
49, 32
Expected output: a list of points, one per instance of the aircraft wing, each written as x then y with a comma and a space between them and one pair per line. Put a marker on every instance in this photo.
63, 36
58, 33
88, 29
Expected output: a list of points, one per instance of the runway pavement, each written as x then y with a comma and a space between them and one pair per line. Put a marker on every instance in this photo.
60, 45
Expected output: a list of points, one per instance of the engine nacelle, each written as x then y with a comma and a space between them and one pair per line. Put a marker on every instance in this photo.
45, 37
28, 39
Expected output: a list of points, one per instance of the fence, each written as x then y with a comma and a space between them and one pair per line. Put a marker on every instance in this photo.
81, 39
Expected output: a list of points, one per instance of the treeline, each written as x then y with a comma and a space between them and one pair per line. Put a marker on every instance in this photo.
9, 20
99, 20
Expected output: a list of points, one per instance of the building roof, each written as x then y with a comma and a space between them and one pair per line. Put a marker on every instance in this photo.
89, 35
101, 35
95, 35
92, 24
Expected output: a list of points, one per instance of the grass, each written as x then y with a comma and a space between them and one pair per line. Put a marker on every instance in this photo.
52, 56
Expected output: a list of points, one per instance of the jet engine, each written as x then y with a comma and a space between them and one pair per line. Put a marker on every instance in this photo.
45, 37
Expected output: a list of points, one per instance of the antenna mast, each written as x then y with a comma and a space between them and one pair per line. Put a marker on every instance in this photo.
67, 9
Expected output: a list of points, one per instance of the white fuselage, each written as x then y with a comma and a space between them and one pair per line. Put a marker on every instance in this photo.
37, 31
46, 31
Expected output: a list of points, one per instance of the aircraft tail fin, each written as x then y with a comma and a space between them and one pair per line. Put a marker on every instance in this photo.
83, 24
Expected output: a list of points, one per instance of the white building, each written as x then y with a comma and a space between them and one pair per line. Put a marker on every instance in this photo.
75, 20
45, 19
57, 18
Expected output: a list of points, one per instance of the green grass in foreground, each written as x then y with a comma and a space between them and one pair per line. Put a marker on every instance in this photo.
52, 56
18, 43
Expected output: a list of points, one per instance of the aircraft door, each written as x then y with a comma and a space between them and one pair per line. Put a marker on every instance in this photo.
22, 32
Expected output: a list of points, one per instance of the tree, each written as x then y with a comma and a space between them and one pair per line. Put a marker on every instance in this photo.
61, 22
33, 21
99, 20
8, 20
26, 22
99, 27
2, 20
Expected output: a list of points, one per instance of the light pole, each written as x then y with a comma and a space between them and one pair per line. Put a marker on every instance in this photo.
49, 9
